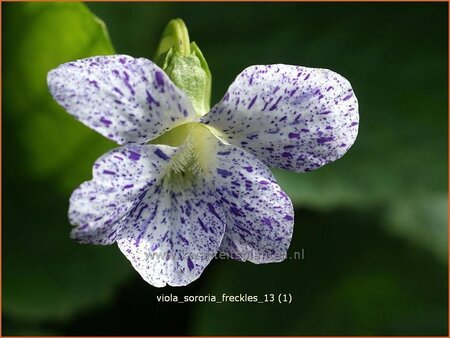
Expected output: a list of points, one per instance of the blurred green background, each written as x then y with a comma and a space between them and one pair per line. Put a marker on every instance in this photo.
373, 225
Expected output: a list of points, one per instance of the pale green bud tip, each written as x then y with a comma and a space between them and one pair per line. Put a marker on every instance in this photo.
185, 65
175, 37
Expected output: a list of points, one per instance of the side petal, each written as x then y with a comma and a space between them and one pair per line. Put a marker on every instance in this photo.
290, 117
260, 216
121, 178
123, 98
174, 232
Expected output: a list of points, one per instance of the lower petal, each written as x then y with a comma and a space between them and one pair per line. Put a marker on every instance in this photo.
174, 232
260, 216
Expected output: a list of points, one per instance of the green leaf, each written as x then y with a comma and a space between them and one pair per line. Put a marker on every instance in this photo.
46, 155
423, 220
38, 38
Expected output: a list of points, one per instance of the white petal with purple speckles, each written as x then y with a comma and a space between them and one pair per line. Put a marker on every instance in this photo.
174, 232
123, 98
260, 216
121, 178
290, 117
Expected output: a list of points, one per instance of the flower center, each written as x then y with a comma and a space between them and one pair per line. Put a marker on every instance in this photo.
196, 145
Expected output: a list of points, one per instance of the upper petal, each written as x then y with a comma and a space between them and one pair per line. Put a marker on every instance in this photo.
260, 216
123, 98
121, 178
290, 117
174, 232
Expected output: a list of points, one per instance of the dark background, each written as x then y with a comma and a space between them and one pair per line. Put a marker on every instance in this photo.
373, 225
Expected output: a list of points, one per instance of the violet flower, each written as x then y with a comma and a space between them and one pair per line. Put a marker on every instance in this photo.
187, 181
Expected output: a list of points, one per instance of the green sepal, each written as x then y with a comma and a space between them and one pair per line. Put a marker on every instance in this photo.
185, 64
207, 98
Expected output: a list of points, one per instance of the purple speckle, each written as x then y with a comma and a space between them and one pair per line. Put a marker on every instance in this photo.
274, 106
266, 221
117, 90
293, 135
126, 80
236, 183
347, 97
105, 121
190, 264
213, 211
272, 131
236, 211
322, 140
293, 92
282, 193
224, 173
243, 229
151, 100
94, 83
161, 154
112, 234
159, 77
134, 156
165, 236
183, 239
250, 82
202, 225
252, 102
141, 210
108, 172
297, 118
